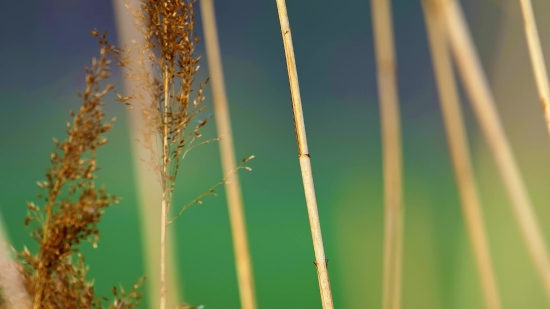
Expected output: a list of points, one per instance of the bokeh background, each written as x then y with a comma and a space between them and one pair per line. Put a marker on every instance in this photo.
44, 46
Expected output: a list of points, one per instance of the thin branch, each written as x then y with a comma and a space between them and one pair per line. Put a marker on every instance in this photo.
459, 150
391, 143
537, 58
243, 261
484, 107
211, 192
305, 163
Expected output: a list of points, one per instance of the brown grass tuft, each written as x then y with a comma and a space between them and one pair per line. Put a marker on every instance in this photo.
55, 276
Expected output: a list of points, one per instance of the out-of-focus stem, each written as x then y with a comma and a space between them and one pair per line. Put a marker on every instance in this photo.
459, 149
232, 186
537, 58
391, 144
484, 107
14, 293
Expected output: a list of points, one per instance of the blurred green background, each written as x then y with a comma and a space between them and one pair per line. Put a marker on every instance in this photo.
45, 45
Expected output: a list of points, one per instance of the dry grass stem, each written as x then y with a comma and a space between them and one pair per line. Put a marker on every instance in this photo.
305, 164
484, 107
391, 143
537, 58
459, 149
232, 186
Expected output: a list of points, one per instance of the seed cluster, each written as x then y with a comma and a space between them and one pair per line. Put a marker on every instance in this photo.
55, 276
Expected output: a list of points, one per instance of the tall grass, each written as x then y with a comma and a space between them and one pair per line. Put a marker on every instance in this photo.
305, 163
168, 48
148, 190
391, 150
484, 107
459, 150
166, 69
232, 186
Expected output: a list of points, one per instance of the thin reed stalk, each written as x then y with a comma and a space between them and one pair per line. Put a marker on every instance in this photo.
484, 107
164, 180
537, 58
305, 163
391, 143
459, 150
232, 185
12, 291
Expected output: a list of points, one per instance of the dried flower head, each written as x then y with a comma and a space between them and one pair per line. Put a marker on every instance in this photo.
55, 276
164, 67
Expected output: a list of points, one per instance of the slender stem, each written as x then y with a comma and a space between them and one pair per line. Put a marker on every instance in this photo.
164, 210
484, 106
459, 149
537, 58
391, 142
232, 186
305, 163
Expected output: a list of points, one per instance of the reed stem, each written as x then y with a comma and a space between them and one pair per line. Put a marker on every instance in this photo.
484, 107
459, 150
305, 163
391, 143
537, 58
232, 185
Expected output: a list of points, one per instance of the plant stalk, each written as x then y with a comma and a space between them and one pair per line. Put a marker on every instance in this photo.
459, 150
537, 58
164, 209
484, 107
391, 143
232, 186
305, 163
